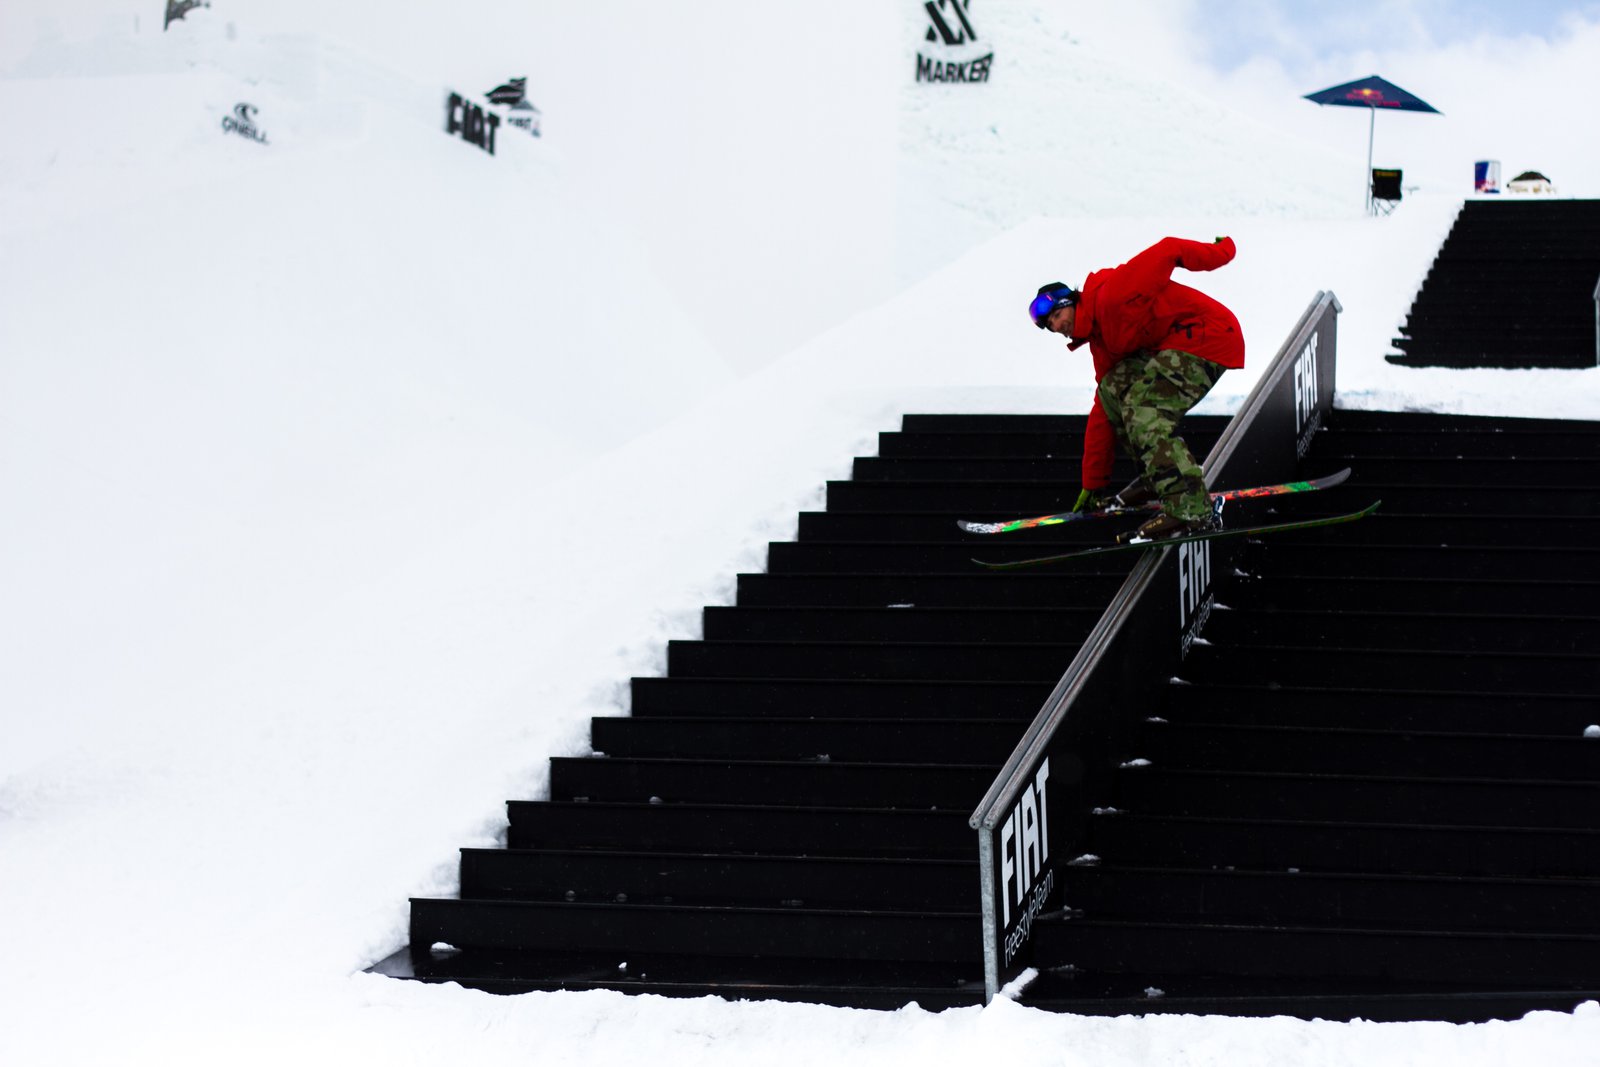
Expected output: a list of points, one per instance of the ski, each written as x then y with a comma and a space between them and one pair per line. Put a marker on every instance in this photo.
1244, 531
1327, 482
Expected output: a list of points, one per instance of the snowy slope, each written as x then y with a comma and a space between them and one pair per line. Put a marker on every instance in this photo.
350, 474
1067, 129
276, 370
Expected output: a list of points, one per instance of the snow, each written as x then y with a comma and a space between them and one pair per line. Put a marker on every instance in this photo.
347, 476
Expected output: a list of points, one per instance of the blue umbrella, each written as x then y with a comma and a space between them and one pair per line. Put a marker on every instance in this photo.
1375, 94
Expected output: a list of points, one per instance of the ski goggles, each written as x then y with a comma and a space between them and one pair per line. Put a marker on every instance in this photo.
1045, 304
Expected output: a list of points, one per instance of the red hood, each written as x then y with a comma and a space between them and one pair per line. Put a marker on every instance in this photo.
1088, 302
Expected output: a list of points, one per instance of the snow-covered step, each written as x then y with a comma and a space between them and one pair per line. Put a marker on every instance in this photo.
751, 827
778, 881
938, 436
1382, 429
927, 526
1041, 495
663, 929
899, 740
1392, 559
1388, 752
1035, 496
1481, 960
1482, 473
1515, 529
1042, 661
964, 588
1445, 671
806, 783
1365, 707
962, 422
1357, 438
876, 984
994, 444
803, 697
1080, 992
934, 557
985, 625
1335, 899
1466, 801
1311, 583
1442, 630
1265, 842
1066, 467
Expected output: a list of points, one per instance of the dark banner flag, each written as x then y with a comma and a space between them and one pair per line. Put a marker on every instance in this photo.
176, 9
514, 96
514, 91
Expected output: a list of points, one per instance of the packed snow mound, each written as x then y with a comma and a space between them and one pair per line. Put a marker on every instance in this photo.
1064, 129
246, 373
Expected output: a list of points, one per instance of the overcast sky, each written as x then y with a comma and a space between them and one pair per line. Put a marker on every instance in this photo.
1237, 31
1516, 81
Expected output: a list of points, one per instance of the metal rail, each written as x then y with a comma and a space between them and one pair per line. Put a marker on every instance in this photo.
1033, 815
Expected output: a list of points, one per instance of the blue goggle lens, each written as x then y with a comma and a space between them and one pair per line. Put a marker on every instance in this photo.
1045, 303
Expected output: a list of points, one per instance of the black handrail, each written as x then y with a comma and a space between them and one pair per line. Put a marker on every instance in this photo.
1033, 812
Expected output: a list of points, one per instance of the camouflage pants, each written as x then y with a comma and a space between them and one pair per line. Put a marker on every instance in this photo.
1144, 397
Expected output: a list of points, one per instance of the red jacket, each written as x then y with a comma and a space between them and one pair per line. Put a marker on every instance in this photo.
1137, 307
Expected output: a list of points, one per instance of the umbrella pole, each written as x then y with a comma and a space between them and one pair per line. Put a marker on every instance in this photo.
1372, 122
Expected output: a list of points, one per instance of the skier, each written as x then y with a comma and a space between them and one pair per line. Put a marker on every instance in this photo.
1158, 348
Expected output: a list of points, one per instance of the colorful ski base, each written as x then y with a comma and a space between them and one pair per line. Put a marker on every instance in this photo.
1326, 482
1245, 531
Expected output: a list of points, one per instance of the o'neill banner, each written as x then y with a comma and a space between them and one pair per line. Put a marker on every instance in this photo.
951, 40
243, 123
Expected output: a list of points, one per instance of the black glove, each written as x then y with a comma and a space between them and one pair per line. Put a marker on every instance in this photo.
1089, 500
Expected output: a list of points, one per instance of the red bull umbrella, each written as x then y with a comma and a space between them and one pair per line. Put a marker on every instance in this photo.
1374, 94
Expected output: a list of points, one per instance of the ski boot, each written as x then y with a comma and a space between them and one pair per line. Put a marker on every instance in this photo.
1164, 527
1136, 494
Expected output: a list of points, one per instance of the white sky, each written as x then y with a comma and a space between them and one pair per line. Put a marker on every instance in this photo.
1235, 32
1515, 82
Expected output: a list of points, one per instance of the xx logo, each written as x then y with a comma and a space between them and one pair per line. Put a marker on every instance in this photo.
940, 11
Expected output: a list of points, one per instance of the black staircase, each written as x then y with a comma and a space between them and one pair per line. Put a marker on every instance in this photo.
785, 813
1514, 285
1369, 792
1346, 772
